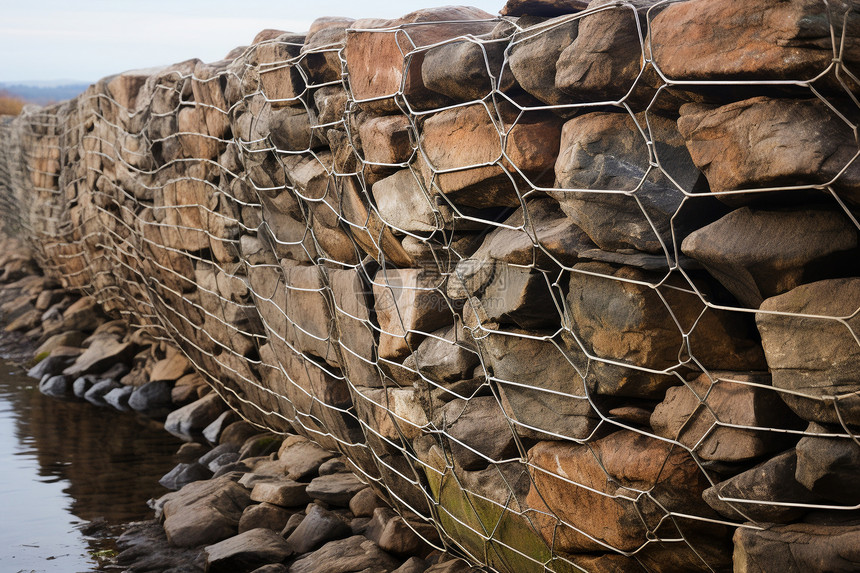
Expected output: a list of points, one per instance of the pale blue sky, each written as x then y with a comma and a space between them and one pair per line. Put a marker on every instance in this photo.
84, 40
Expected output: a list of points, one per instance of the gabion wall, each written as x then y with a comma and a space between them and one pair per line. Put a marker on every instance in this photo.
578, 285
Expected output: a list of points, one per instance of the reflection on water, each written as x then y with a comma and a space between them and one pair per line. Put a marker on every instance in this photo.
64, 464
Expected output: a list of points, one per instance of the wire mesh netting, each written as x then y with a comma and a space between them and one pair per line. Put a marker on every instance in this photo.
573, 293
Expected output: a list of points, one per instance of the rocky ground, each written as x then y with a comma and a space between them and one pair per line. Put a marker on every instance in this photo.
242, 499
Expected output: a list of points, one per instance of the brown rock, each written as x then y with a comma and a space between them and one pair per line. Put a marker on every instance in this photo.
386, 140
319, 526
264, 515
534, 52
542, 7
376, 58
760, 254
757, 494
391, 412
356, 553
171, 368
464, 144
828, 466
702, 415
595, 488
809, 342
365, 502
479, 432
764, 142
336, 489
715, 40
192, 418
796, 548
283, 493
280, 79
104, 352
350, 294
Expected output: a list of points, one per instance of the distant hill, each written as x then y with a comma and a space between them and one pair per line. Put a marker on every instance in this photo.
44, 93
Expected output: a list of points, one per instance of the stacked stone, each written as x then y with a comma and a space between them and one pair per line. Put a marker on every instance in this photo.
578, 285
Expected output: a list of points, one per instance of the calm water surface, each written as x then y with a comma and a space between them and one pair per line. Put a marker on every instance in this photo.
70, 475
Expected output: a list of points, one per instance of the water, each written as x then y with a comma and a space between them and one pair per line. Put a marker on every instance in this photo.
70, 475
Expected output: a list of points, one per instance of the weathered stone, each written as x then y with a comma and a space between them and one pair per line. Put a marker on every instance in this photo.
334, 466
336, 489
84, 314
725, 416
812, 351
73, 338
828, 466
386, 140
97, 392
318, 527
467, 70
717, 40
55, 386
393, 413
534, 52
54, 364
760, 254
171, 368
356, 553
553, 401
204, 512
321, 52
607, 151
446, 355
392, 534
246, 551
350, 294
594, 488
507, 294
605, 59
192, 418
761, 490
213, 431
796, 548
479, 432
280, 79
406, 206
292, 523
284, 493
463, 143
735, 145
616, 317
407, 302
377, 67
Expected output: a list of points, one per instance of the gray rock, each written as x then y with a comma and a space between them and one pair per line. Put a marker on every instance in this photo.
54, 386
246, 551
96, 393
271, 568
333, 466
336, 489
153, 399
392, 534
190, 452
118, 398
228, 459
53, 365
534, 52
446, 355
216, 452
301, 457
192, 418
213, 431
481, 424
412, 565
319, 526
184, 474
264, 515
82, 384
356, 553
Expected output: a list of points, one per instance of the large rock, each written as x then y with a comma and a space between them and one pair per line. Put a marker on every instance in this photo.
246, 551
640, 207
356, 553
541, 389
760, 254
204, 512
284, 493
810, 343
726, 416
796, 548
598, 489
319, 526
447, 355
479, 432
766, 493
336, 489
194, 417
617, 317
765, 142
534, 52
719, 40
104, 352
376, 49
408, 303
542, 7
465, 158
828, 466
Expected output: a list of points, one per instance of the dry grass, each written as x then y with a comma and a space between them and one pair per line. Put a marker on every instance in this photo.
9, 104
